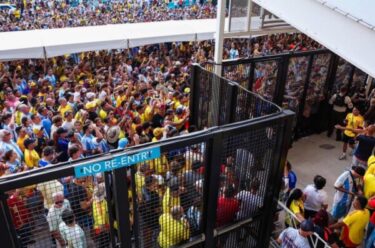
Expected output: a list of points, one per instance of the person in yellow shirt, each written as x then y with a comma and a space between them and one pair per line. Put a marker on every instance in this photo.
140, 175
369, 185
100, 215
174, 228
22, 136
353, 121
158, 134
31, 156
171, 198
296, 206
120, 98
371, 165
64, 106
354, 224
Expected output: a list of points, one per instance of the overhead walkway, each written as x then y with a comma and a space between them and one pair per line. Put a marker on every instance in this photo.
48, 43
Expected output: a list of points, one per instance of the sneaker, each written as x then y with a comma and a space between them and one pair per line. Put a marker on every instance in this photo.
342, 157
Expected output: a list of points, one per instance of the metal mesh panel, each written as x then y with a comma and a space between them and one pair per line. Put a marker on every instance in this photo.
204, 92
229, 102
65, 212
225, 105
246, 162
359, 80
342, 77
265, 79
238, 73
246, 236
249, 105
295, 83
169, 197
317, 84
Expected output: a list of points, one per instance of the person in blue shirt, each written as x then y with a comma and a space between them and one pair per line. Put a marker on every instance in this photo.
12, 162
51, 78
233, 53
62, 144
89, 141
290, 179
48, 156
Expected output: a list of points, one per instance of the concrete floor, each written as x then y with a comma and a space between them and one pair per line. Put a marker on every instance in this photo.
309, 159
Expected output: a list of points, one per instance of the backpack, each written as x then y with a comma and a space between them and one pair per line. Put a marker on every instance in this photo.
340, 100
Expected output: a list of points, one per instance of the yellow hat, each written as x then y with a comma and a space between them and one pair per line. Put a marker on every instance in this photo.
158, 131
90, 105
37, 130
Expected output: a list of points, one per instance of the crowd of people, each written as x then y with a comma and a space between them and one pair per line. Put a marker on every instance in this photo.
76, 106
59, 14
349, 222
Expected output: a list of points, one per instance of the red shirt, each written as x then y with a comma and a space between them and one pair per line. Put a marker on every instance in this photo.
226, 210
18, 211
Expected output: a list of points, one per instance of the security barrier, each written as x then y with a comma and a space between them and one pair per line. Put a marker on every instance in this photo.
300, 81
212, 188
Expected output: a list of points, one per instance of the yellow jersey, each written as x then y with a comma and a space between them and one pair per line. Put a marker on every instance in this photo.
353, 122
172, 231
369, 185
357, 221
62, 110
371, 165
31, 158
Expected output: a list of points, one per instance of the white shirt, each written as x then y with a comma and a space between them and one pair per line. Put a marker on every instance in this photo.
54, 215
291, 238
76, 96
68, 125
74, 236
314, 198
250, 204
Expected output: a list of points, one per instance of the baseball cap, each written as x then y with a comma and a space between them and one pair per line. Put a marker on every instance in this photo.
307, 226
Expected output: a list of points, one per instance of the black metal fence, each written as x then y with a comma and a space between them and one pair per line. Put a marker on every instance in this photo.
300, 81
219, 101
234, 169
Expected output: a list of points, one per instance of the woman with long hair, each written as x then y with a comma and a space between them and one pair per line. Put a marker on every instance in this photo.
296, 206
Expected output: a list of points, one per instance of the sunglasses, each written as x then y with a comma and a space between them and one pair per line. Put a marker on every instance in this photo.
59, 202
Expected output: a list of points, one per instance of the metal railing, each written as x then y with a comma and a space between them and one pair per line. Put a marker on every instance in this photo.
253, 135
315, 240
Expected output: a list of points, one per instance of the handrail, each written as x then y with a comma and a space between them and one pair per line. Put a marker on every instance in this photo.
314, 241
218, 232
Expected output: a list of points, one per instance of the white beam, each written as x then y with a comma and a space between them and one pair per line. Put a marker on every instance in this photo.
219, 35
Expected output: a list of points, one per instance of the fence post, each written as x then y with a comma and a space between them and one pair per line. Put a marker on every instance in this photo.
110, 204
122, 204
282, 147
7, 230
211, 188
194, 96
233, 104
